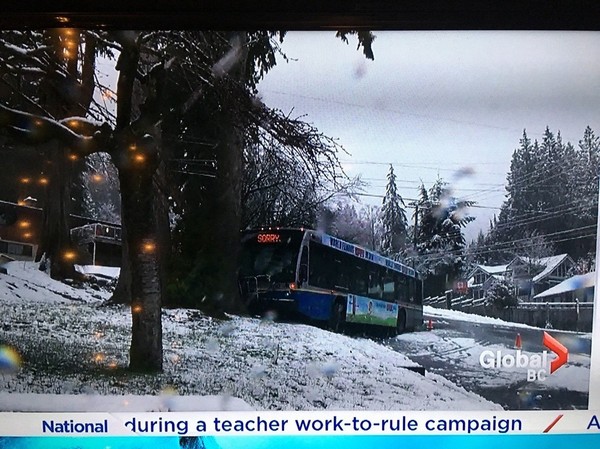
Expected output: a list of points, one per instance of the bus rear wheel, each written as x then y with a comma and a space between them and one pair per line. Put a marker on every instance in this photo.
401, 322
338, 315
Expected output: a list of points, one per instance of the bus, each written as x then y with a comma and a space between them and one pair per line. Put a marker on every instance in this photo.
322, 278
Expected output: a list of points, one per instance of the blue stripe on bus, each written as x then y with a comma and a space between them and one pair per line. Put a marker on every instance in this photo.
314, 305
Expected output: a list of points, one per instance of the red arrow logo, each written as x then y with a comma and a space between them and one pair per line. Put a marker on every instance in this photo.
555, 346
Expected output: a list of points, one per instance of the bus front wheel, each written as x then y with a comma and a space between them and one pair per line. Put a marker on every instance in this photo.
338, 315
401, 323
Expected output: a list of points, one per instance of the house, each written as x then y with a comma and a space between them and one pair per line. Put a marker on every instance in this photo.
98, 244
482, 277
21, 235
19, 231
579, 287
532, 276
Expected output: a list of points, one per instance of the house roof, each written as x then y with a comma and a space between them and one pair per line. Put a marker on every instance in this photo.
488, 269
549, 264
493, 269
570, 285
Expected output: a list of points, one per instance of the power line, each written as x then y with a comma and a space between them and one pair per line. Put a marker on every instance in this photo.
505, 246
404, 113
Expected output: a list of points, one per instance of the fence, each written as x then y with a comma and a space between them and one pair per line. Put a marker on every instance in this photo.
17, 250
573, 316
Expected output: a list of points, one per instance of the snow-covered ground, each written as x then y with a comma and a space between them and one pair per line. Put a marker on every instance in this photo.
455, 345
463, 354
72, 344
457, 315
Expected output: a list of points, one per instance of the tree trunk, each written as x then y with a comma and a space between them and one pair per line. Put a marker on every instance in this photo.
56, 240
122, 293
138, 159
229, 188
63, 96
139, 218
221, 211
222, 244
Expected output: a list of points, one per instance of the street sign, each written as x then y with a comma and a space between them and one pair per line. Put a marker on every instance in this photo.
460, 286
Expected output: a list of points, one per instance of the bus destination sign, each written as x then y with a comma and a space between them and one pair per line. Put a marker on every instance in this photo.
268, 238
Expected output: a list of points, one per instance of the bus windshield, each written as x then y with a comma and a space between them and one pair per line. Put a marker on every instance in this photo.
270, 253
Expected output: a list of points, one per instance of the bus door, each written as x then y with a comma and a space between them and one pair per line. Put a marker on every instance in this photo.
303, 268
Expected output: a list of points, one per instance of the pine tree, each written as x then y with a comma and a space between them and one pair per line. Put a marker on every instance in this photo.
520, 198
440, 241
550, 192
393, 219
586, 174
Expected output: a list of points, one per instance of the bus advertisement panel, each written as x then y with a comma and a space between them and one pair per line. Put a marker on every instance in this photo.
371, 311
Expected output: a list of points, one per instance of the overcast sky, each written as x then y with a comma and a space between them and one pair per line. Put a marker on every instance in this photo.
434, 102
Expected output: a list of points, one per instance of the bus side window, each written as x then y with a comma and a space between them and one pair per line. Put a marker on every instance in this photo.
401, 288
416, 291
360, 280
388, 288
316, 272
340, 278
375, 288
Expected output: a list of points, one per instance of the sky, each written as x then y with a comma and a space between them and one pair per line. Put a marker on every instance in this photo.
434, 103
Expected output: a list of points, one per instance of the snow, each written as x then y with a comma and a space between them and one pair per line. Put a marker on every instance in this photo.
81, 120
97, 270
549, 264
72, 344
572, 284
493, 269
472, 318
26, 284
463, 354
430, 311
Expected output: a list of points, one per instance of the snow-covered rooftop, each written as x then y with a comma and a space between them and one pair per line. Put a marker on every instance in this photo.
96, 270
493, 269
570, 285
549, 264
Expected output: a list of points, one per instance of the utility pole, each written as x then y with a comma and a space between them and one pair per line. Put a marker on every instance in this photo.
415, 231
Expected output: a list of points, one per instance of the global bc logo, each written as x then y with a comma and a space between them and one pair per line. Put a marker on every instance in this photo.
536, 364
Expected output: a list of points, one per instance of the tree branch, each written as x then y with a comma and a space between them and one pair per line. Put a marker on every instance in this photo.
35, 129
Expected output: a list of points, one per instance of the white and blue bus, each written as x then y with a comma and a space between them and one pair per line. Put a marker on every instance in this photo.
319, 277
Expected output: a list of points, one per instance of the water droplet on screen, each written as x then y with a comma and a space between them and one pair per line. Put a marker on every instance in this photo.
212, 346
329, 369
227, 329
258, 371
269, 316
10, 360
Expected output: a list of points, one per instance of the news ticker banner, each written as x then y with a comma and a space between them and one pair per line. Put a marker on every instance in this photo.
313, 423
545, 441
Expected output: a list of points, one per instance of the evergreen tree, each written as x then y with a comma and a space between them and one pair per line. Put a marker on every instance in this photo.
393, 219
440, 241
551, 192
500, 296
584, 191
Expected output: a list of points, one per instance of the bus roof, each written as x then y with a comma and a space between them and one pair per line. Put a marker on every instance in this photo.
348, 248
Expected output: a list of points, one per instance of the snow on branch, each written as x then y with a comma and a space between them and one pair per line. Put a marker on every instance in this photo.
80, 135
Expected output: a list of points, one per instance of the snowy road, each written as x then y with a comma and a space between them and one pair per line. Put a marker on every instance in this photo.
453, 348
